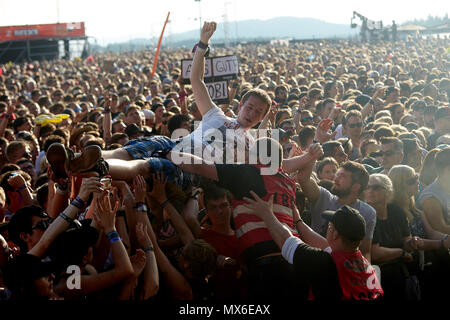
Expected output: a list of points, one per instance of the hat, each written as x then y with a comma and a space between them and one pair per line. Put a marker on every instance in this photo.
132, 129
348, 222
440, 113
24, 269
73, 244
362, 99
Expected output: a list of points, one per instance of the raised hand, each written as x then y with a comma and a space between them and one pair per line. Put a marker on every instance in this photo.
16, 181
315, 151
105, 216
142, 236
259, 207
159, 187
295, 151
88, 186
322, 132
207, 31
140, 188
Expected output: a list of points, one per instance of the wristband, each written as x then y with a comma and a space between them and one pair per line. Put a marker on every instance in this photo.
235, 85
202, 45
63, 215
148, 249
297, 221
22, 187
77, 203
115, 239
112, 234
403, 253
165, 203
120, 213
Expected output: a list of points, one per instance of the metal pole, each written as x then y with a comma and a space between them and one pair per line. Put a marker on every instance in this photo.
199, 15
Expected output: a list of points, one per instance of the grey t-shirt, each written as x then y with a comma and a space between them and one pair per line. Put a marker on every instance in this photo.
328, 201
435, 190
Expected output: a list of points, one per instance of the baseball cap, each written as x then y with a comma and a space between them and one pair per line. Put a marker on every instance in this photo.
24, 269
73, 244
442, 113
362, 99
348, 222
132, 129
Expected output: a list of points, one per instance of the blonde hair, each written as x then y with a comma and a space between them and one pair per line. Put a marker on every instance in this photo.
399, 174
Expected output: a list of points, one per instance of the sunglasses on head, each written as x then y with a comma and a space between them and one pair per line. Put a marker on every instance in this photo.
413, 180
354, 125
375, 187
42, 225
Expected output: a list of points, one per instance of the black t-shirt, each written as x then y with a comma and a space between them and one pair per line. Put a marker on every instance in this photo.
390, 232
240, 179
317, 270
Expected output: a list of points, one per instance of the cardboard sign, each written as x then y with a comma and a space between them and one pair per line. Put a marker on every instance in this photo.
218, 91
216, 69
186, 67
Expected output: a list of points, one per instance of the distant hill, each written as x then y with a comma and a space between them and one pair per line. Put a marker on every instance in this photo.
282, 27
276, 28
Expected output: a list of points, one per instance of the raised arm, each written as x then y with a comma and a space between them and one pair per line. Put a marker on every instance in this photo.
61, 223
308, 184
201, 94
159, 193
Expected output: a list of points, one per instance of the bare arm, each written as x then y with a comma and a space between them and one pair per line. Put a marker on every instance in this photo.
193, 164
308, 235
201, 94
433, 212
384, 254
308, 184
295, 163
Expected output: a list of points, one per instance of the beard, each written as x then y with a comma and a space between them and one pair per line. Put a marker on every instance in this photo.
340, 193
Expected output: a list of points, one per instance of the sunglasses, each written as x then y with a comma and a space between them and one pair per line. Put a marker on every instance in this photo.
375, 187
42, 225
306, 119
354, 125
413, 180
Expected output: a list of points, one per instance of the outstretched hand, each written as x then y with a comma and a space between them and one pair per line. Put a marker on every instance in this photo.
105, 216
207, 31
159, 187
315, 151
322, 132
258, 206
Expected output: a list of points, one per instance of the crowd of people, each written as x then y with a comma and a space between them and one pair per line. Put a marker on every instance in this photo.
104, 195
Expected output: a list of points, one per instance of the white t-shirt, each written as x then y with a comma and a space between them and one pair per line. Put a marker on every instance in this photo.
217, 136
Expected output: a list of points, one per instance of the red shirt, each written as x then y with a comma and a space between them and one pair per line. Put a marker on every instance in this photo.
225, 245
357, 277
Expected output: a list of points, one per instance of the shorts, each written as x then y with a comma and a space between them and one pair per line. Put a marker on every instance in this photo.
147, 147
